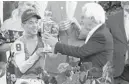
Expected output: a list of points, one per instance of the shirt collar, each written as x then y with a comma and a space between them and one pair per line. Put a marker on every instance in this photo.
95, 28
92, 32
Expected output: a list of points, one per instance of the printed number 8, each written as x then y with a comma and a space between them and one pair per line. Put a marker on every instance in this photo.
18, 47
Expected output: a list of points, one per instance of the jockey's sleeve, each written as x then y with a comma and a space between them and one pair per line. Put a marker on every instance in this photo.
19, 57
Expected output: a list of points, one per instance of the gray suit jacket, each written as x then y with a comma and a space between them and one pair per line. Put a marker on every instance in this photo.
115, 23
98, 50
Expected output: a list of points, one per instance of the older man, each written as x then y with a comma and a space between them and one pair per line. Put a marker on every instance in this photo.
98, 47
66, 36
118, 25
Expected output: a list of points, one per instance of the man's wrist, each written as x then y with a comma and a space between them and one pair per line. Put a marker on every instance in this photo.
56, 48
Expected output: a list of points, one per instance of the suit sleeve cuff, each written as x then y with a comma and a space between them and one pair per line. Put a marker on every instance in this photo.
57, 47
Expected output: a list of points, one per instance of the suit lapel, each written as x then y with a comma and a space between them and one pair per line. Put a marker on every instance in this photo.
98, 30
122, 27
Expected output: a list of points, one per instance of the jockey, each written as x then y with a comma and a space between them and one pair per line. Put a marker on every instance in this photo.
28, 51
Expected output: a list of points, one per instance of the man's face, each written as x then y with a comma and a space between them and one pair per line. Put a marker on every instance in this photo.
125, 5
86, 22
31, 26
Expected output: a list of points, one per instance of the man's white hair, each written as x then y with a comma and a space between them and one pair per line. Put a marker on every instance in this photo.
94, 10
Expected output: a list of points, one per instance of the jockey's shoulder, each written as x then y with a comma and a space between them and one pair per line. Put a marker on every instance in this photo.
21, 38
18, 44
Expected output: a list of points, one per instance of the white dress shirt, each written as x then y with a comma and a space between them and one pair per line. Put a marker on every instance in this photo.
92, 32
126, 26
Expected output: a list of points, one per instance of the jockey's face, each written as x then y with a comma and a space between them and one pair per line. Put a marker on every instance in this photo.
31, 26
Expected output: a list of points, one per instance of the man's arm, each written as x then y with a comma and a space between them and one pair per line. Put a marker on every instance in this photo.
93, 46
23, 64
